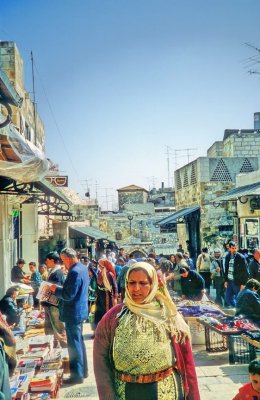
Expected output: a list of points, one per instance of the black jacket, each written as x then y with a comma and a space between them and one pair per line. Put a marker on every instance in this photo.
17, 274
192, 285
241, 273
248, 304
254, 269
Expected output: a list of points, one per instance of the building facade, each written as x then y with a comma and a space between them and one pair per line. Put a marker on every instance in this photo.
207, 178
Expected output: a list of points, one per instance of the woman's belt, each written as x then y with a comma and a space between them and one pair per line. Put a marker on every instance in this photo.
155, 377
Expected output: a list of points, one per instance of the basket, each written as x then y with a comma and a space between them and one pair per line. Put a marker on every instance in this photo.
215, 342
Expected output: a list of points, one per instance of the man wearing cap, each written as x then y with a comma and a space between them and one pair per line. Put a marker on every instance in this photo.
17, 273
217, 271
254, 265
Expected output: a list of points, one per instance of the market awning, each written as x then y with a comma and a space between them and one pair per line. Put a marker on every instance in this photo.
89, 231
49, 189
177, 217
50, 199
248, 190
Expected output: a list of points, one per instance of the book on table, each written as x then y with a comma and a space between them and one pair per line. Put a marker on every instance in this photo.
40, 340
23, 386
44, 382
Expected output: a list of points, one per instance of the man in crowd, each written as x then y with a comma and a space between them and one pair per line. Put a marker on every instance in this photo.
119, 265
74, 311
254, 265
217, 272
236, 274
36, 280
192, 251
203, 267
121, 253
179, 262
192, 284
53, 325
248, 301
17, 273
9, 308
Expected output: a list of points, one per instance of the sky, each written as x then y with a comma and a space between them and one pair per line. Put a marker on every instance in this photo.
130, 90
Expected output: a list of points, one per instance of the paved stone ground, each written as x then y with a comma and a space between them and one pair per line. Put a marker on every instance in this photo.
217, 379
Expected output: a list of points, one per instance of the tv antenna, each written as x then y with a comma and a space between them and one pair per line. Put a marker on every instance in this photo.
252, 61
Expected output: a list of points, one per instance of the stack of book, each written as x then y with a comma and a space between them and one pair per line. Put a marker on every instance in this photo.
41, 341
35, 354
26, 366
20, 385
45, 382
52, 361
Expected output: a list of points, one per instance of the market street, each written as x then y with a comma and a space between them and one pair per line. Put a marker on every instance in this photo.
217, 379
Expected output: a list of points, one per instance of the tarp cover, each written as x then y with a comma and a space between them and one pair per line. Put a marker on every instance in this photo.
20, 159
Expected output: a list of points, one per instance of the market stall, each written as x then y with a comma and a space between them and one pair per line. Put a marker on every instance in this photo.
40, 366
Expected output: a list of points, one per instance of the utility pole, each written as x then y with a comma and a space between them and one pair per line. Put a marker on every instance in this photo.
168, 165
86, 187
152, 180
107, 196
34, 102
96, 187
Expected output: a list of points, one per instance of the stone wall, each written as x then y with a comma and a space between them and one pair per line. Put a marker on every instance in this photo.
243, 143
23, 118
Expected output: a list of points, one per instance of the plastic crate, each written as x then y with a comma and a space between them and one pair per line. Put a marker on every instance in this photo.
240, 351
215, 342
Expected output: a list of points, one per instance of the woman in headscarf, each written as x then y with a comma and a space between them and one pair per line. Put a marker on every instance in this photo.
107, 292
142, 348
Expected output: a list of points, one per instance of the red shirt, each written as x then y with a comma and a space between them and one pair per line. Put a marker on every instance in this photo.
247, 392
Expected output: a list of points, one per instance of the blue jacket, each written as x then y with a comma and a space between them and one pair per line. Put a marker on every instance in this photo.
74, 307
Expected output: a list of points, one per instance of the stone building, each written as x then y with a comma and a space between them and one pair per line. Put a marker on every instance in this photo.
246, 198
24, 193
134, 226
131, 194
201, 181
25, 117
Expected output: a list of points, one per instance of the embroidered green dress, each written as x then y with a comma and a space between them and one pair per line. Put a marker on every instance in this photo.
144, 349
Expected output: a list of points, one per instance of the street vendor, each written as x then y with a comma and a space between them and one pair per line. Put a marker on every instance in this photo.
248, 301
17, 273
192, 284
9, 308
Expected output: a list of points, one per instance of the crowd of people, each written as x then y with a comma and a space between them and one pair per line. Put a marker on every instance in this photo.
142, 344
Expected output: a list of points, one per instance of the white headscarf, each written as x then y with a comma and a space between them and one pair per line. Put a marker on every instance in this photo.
158, 306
